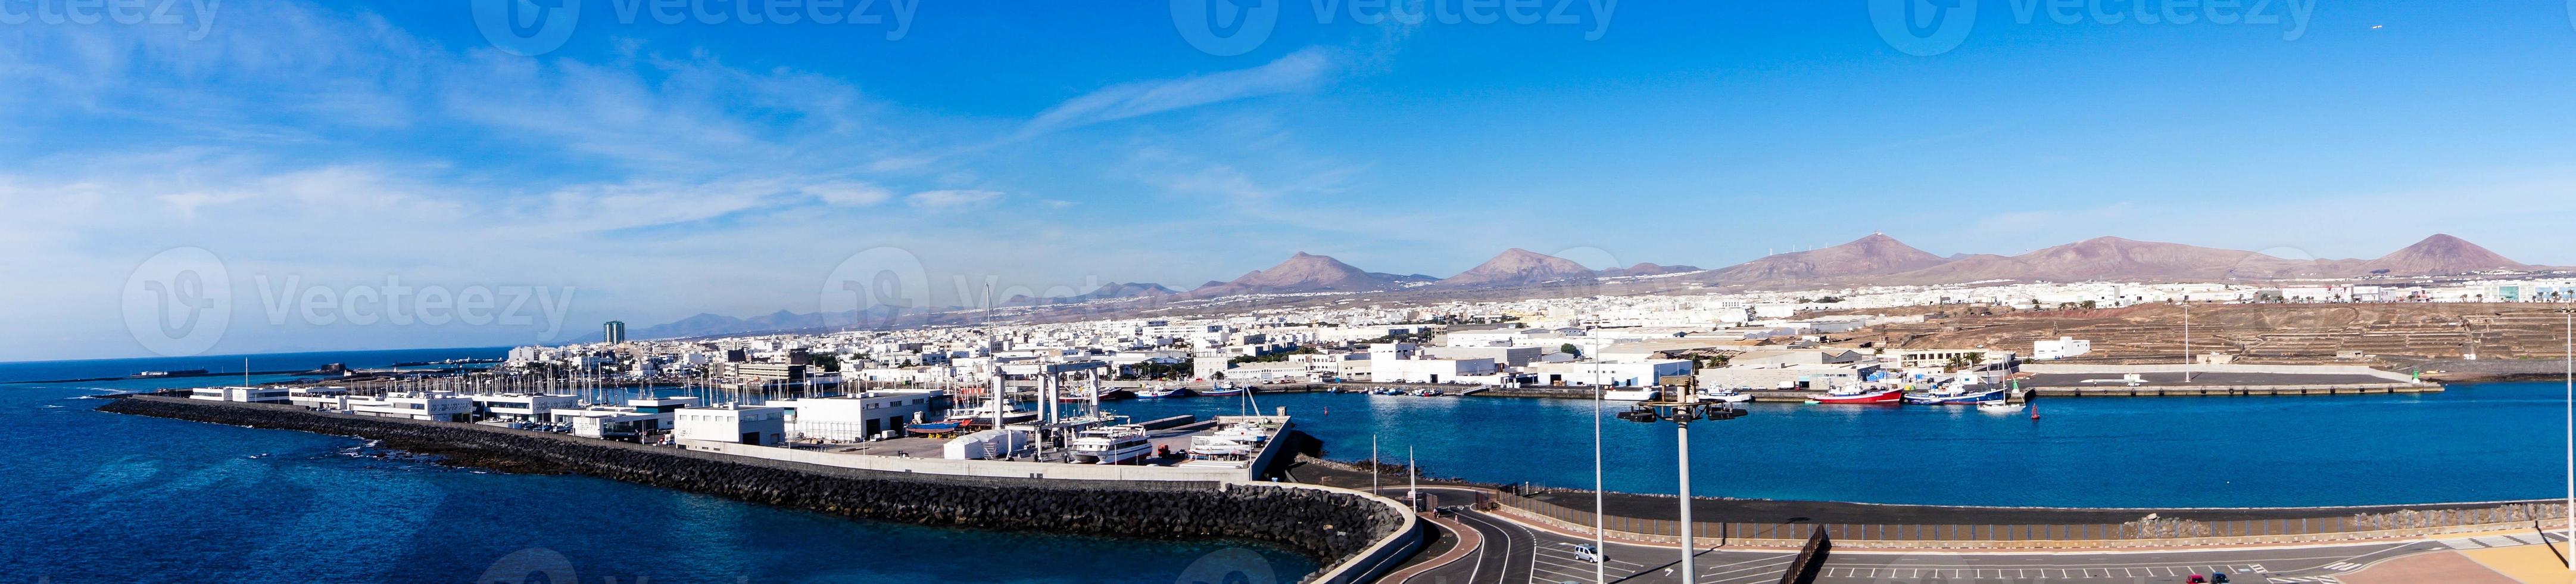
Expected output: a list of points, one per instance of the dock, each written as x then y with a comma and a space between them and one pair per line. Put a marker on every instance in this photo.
2217, 380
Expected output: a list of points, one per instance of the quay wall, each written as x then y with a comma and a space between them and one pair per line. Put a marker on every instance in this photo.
2199, 390
2229, 368
1354, 535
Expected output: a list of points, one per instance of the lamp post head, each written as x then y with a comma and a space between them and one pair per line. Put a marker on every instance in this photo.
1686, 411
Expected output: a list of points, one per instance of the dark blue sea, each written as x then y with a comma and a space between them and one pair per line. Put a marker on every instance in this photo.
103, 497
2481, 442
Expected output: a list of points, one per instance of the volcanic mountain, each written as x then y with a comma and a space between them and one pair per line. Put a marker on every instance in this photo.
2441, 254
2112, 258
1305, 272
1516, 266
1105, 292
1875, 255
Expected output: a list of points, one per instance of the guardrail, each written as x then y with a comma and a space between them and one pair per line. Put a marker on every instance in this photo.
2135, 534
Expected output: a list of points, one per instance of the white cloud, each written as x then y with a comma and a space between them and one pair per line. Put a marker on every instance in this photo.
951, 199
849, 193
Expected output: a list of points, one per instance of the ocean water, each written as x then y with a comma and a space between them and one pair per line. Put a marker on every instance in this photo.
93, 496
2480, 442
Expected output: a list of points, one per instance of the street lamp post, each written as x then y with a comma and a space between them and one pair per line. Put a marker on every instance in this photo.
1682, 411
1600, 551
2570, 314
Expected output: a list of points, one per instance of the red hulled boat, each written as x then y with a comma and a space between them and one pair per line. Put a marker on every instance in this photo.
1882, 396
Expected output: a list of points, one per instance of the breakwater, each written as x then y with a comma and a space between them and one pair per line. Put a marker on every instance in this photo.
1353, 535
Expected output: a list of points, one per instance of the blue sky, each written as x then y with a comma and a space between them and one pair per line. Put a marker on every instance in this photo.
661, 170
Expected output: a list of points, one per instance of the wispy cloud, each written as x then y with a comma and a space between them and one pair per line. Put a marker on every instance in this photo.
849, 194
1300, 71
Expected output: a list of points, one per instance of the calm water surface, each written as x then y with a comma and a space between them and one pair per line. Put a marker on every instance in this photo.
2473, 443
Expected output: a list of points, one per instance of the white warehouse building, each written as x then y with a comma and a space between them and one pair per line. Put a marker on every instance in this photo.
731, 423
2061, 348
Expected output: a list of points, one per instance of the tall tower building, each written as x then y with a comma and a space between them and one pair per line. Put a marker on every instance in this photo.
614, 331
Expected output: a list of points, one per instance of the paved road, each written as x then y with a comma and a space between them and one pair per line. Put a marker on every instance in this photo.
1515, 554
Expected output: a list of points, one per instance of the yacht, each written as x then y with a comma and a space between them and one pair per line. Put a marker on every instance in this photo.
1630, 394
1724, 396
1958, 396
1214, 445
983, 415
1112, 445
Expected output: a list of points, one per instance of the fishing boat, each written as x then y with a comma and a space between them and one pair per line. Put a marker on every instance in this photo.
1858, 395
1159, 392
1112, 445
1222, 390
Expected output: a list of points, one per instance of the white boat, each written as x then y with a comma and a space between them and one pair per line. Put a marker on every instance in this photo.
1215, 445
982, 416
1112, 445
1631, 394
1998, 407
1724, 396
